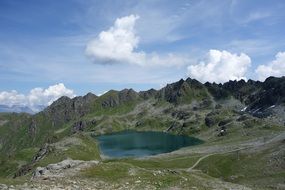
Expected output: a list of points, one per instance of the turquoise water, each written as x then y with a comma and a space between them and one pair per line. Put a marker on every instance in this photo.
138, 144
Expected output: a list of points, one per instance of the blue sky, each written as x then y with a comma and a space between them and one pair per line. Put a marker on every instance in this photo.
153, 42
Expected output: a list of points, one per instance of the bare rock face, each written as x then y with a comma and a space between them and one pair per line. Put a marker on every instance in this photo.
62, 169
148, 94
42, 152
114, 98
183, 91
180, 114
32, 128
3, 186
210, 119
65, 109
23, 170
78, 126
110, 102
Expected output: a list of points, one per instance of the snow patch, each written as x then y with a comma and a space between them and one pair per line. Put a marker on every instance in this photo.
243, 109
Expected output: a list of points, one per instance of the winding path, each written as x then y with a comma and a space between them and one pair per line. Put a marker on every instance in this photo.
198, 161
274, 139
206, 156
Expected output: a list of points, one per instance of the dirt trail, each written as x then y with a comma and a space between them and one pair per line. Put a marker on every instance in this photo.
253, 145
206, 156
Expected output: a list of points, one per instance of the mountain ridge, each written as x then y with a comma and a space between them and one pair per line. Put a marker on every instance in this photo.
241, 90
259, 99
236, 112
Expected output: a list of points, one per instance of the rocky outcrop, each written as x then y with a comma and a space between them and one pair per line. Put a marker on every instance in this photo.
259, 97
62, 169
272, 93
224, 122
78, 126
174, 126
65, 109
148, 94
211, 119
115, 98
183, 91
3, 186
217, 91
127, 95
42, 152
240, 90
180, 114
32, 128
28, 167
172, 92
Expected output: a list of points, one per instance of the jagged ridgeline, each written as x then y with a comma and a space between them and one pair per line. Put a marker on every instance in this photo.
183, 107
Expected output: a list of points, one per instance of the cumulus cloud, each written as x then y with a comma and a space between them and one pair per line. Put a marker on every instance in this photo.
36, 97
119, 45
220, 66
274, 68
12, 98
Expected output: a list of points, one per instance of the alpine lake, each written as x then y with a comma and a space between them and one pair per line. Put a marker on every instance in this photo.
139, 144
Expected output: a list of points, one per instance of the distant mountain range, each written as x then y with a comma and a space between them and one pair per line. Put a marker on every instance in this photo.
16, 109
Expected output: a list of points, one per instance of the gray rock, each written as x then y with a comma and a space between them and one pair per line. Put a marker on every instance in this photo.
61, 169
78, 126
3, 186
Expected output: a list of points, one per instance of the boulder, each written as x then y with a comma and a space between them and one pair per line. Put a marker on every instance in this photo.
209, 121
212, 118
62, 169
3, 186
181, 115
224, 122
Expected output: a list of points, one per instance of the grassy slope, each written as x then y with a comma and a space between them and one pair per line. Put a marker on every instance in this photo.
257, 169
225, 166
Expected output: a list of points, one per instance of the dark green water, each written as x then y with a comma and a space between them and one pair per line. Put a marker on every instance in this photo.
138, 144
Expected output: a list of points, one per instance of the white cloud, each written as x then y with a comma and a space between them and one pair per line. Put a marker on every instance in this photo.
274, 68
220, 66
116, 44
36, 97
119, 44
11, 98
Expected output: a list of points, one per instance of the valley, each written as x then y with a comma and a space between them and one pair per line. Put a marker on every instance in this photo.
241, 124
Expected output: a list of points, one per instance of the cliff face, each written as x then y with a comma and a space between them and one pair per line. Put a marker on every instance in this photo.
65, 109
258, 97
183, 91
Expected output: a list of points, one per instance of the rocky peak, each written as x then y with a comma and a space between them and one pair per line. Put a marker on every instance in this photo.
193, 83
127, 94
183, 91
217, 90
89, 96
148, 94
65, 109
171, 92
234, 85
114, 98
62, 100
271, 93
